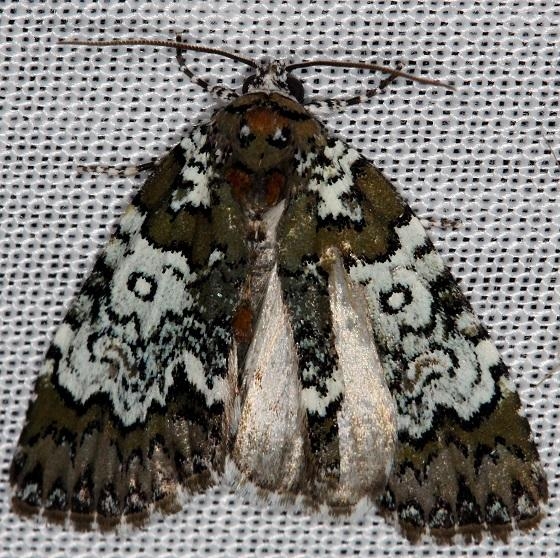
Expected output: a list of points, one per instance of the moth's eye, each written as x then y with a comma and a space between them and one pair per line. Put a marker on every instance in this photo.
295, 86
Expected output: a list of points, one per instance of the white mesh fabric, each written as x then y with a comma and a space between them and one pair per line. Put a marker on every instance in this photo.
483, 155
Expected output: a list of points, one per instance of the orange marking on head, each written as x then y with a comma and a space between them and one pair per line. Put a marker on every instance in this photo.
263, 121
242, 324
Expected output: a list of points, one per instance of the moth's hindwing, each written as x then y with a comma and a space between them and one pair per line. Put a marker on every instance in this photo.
464, 456
130, 402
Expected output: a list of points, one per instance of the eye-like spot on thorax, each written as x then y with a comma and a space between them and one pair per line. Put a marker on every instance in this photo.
280, 138
245, 136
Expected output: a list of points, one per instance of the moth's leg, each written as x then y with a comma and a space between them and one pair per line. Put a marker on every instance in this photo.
223, 93
344, 102
118, 171
443, 223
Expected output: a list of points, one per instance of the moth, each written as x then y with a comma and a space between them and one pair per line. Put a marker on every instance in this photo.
269, 304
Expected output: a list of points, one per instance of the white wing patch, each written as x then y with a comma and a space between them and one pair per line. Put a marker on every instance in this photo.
197, 174
130, 324
146, 290
334, 183
446, 368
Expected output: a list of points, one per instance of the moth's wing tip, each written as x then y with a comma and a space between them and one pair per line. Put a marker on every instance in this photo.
470, 533
23, 508
475, 533
82, 521
70, 496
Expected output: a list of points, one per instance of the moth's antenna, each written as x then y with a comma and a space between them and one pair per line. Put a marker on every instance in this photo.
228, 94
177, 45
367, 66
224, 93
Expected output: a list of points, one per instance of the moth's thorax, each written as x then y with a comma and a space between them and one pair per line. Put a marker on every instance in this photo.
262, 135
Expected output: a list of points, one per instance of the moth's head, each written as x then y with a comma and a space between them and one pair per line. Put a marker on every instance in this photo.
274, 75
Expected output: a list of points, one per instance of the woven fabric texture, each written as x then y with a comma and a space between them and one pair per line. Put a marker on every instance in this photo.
485, 157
